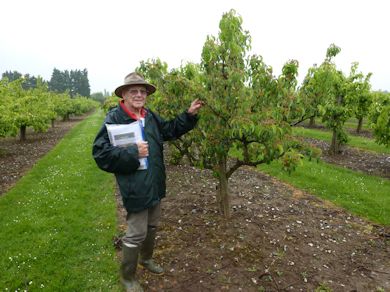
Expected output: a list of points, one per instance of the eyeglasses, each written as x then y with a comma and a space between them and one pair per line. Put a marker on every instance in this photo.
134, 91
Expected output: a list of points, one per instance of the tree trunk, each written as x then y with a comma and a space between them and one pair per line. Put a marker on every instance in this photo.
360, 124
223, 192
312, 122
334, 147
23, 133
52, 123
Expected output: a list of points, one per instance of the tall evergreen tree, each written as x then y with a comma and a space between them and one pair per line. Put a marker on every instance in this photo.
74, 81
57, 82
11, 75
29, 82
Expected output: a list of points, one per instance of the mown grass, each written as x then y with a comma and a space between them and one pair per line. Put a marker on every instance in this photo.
349, 124
57, 223
354, 141
360, 194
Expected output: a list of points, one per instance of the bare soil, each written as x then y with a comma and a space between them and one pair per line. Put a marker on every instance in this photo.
367, 162
277, 239
17, 157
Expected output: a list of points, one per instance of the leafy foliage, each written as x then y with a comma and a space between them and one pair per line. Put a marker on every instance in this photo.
35, 107
380, 117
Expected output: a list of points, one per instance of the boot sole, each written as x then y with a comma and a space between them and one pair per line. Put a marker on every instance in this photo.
146, 269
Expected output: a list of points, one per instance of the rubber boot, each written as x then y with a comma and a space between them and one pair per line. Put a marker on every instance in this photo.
129, 268
146, 253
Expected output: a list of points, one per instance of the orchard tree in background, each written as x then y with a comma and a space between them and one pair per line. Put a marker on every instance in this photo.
379, 115
362, 99
9, 91
334, 110
35, 108
30, 109
327, 93
343, 96
312, 93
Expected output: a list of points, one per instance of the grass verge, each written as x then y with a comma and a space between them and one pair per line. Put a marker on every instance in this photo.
354, 141
363, 195
58, 221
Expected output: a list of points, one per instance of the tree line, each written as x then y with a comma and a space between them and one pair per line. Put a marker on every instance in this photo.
75, 82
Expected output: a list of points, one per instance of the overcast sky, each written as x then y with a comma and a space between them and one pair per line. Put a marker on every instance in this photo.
110, 38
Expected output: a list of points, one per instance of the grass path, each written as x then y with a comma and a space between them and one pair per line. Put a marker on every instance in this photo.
58, 222
361, 194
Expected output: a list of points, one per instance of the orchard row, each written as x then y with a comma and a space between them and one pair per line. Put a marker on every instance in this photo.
37, 108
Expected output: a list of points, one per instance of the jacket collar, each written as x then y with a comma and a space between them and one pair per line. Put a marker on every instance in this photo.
130, 114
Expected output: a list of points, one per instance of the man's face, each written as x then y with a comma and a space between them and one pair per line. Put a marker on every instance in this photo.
134, 96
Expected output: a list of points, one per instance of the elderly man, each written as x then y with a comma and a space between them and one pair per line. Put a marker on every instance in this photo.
141, 190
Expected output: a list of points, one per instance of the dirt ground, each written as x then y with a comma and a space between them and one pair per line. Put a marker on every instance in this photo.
277, 239
17, 157
367, 162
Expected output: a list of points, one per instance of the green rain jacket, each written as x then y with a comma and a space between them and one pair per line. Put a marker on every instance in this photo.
140, 189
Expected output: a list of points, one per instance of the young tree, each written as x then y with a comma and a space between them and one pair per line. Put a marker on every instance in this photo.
361, 94
335, 110
245, 119
31, 109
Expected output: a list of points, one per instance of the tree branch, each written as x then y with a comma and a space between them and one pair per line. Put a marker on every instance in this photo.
301, 120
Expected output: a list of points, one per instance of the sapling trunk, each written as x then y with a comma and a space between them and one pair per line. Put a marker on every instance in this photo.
334, 147
223, 192
360, 125
23, 133
312, 122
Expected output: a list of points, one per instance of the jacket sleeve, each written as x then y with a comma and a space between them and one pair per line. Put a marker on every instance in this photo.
177, 127
114, 159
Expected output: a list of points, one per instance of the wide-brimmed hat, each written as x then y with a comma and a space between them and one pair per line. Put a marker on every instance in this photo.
135, 79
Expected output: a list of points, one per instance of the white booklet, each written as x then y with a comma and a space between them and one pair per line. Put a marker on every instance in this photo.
123, 135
